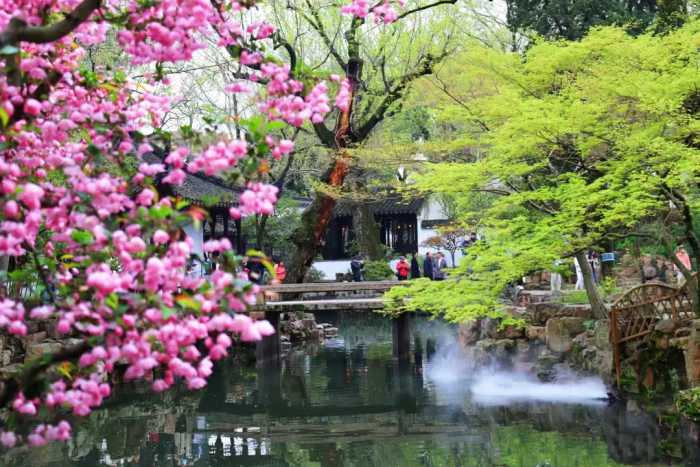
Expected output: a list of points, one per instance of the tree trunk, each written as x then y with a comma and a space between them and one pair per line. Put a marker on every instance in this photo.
367, 233
316, 218
314, 223
597, 305
260, 224
638, 255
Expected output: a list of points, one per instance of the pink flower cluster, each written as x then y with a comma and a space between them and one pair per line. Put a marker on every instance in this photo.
12, 317
44, 433
383, 13
279, 148
342, 99
219, 157
167, 31
116, 260
259, 198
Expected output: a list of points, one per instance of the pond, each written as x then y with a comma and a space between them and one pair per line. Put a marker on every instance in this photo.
349, 402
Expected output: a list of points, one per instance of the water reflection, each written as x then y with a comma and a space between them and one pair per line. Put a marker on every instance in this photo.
353, 402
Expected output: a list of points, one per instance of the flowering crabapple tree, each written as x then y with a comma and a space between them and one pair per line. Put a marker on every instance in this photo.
81, 218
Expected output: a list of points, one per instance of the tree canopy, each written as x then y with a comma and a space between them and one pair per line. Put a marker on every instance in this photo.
573, 143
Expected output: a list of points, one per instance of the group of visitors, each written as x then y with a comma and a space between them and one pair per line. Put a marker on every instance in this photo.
593, 263
664, 270
258, 273
653, 268
433, 267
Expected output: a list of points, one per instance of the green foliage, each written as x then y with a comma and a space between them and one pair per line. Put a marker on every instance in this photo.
688, 403
574, 297
278, 229
576, 142
572, 19
314, 275
377, 270
609, 286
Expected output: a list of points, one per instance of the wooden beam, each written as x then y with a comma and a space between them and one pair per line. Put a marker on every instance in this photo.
348, 304
318, 287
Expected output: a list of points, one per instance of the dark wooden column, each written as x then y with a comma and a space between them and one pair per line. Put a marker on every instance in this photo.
239, 238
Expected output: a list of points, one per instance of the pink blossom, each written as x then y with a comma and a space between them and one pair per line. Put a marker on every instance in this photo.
160, 237
8, 439
32, 107
11, 209
176, 177
31, 196
41, 312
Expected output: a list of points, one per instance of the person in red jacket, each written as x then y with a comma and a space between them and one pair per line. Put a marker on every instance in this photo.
402, 269
280, 271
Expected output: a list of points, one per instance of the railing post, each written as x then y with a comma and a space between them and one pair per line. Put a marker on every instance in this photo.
615, 341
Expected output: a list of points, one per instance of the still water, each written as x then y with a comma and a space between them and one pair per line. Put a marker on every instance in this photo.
350, 402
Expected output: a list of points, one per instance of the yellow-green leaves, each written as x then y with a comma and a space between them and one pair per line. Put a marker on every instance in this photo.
578, 142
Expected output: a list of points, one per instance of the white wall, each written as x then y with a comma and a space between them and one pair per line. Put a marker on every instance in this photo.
431, 211
197, 236
330, 268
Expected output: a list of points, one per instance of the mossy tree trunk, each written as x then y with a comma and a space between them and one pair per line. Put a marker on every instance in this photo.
367, 233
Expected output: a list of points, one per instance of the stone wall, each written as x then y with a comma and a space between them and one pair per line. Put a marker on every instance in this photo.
667, 359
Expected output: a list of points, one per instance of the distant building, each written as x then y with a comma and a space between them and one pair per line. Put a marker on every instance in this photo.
403, 226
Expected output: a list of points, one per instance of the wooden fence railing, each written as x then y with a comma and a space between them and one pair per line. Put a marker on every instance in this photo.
634, 315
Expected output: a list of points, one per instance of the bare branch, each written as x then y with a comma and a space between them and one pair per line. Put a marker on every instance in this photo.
19, 31
425, 7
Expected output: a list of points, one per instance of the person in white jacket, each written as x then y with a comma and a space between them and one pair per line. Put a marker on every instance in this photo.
579, 276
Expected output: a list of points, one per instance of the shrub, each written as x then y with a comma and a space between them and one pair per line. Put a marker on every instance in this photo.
688, 403
314, 275
378, 271
575, 297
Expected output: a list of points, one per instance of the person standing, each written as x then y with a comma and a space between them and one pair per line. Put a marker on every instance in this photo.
439, 267
356, 266
402, 269
579, 275
593, 263
684, 258
415, 268
428, 266
555, 278
280, 271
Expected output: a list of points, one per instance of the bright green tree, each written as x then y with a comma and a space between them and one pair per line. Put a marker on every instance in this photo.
576, 143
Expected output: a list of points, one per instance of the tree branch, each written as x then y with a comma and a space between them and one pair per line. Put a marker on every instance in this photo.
19, 31
425, 7
32, 370
428, 62
318, 27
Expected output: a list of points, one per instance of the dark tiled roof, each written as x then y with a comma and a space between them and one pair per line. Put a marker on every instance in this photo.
393, 205
198, 188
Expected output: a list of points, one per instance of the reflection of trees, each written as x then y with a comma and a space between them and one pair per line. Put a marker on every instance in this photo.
237, 421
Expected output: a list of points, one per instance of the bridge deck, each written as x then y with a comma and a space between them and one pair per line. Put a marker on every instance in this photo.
321, 287
331, 304
326, 296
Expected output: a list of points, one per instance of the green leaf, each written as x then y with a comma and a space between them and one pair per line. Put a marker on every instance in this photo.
4, 117
21, 275
112, 301
83, 237
167, 312
160, 212
188, 302
181, 204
